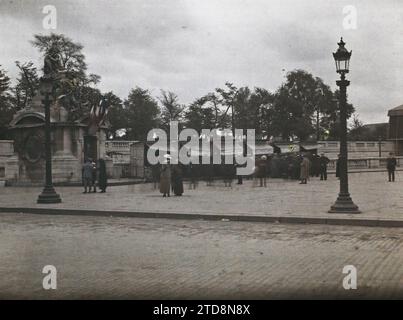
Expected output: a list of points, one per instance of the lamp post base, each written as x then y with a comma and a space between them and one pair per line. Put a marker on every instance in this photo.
49, 195
344, 204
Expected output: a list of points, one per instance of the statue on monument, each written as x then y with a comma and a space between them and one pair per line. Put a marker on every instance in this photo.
52, 63
54, 72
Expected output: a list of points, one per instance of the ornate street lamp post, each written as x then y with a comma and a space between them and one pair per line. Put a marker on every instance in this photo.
48, 194
344, 203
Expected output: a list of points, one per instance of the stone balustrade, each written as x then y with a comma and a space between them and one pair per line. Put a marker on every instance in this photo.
357, 149
8, 162
366, 163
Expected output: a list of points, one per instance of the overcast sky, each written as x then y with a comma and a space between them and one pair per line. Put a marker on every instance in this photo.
193, 46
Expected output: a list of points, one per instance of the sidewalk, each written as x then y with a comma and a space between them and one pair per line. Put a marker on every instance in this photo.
129, 181
111, 182
381, 202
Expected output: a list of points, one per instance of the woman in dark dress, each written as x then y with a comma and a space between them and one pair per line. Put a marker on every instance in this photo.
102, 178
209, 173
155, 174
177, 180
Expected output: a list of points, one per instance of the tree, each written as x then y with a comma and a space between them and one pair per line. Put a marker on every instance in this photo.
286, 114
262, 104
6, 107
71, 56
141, 112
357, 130
226, 98
331, 119
200, 115
241, 108
116, 115
171, 110
75, 89
303, 107
324, 108
214, 102
252, 110
233, 107
4, 82
27, 84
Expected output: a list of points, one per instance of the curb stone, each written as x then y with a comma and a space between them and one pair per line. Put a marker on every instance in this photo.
363, 222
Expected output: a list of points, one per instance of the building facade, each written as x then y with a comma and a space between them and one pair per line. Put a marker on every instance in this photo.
395, 128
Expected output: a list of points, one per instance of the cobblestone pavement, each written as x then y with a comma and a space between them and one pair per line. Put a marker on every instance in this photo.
376, 197
117, 258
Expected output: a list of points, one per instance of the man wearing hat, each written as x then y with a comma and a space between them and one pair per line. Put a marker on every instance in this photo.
262, 171
87, 169
305, 168
165, 177
391, 166
323, 161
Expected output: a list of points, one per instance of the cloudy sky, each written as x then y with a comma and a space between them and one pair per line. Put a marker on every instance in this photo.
193, 46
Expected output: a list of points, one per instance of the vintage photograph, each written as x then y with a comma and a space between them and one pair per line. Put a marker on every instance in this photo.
201, 150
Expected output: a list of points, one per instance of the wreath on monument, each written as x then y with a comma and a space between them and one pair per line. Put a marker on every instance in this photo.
33, 148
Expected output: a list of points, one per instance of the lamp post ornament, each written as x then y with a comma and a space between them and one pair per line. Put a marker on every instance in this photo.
344, 203
51, 67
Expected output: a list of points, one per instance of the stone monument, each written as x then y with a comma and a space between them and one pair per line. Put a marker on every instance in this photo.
72, 141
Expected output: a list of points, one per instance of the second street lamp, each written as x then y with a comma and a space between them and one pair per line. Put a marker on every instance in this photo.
344, 203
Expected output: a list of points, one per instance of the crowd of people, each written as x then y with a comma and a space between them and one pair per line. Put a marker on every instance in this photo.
291, 166
170, 177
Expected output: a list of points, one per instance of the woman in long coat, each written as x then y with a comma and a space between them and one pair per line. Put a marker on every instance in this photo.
304, 175
165, 179
177, 181
209, 173
102, 178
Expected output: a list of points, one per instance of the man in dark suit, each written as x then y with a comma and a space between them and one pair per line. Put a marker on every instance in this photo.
391, 166
323, 161
87, 175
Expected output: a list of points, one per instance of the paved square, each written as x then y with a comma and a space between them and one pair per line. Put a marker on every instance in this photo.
116, 258
377, 198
